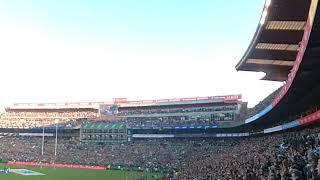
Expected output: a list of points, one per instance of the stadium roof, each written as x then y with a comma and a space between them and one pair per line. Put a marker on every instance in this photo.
301, 92
104, 125
276, 41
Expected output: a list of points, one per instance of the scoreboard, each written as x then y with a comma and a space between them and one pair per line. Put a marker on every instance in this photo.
108, 109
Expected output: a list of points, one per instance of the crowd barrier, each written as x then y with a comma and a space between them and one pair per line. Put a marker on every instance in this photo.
73, 166
311, 118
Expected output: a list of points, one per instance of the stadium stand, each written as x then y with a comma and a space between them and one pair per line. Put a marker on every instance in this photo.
289, 154
200, 111
31, 117
277, 139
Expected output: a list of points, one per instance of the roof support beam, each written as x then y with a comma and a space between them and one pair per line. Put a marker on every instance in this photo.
285, 25
275, 46
270, 62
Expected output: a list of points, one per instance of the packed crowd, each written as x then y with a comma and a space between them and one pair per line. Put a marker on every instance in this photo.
171, 110
25, 123
286, 155
154, 117
186, 115
169, 121
138, 117
77, 113
293, 155
34, 119
71, 151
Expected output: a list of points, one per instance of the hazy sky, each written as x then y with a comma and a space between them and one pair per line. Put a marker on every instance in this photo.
76, 50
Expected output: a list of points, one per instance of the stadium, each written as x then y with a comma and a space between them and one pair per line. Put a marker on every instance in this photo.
211, 137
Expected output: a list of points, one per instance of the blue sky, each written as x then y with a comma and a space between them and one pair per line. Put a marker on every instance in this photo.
95, 50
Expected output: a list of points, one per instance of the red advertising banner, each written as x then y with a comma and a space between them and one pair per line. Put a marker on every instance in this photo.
73, 166
310, 118
120, 100
232, 97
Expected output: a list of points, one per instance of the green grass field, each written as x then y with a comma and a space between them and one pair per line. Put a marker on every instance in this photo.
75, 174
